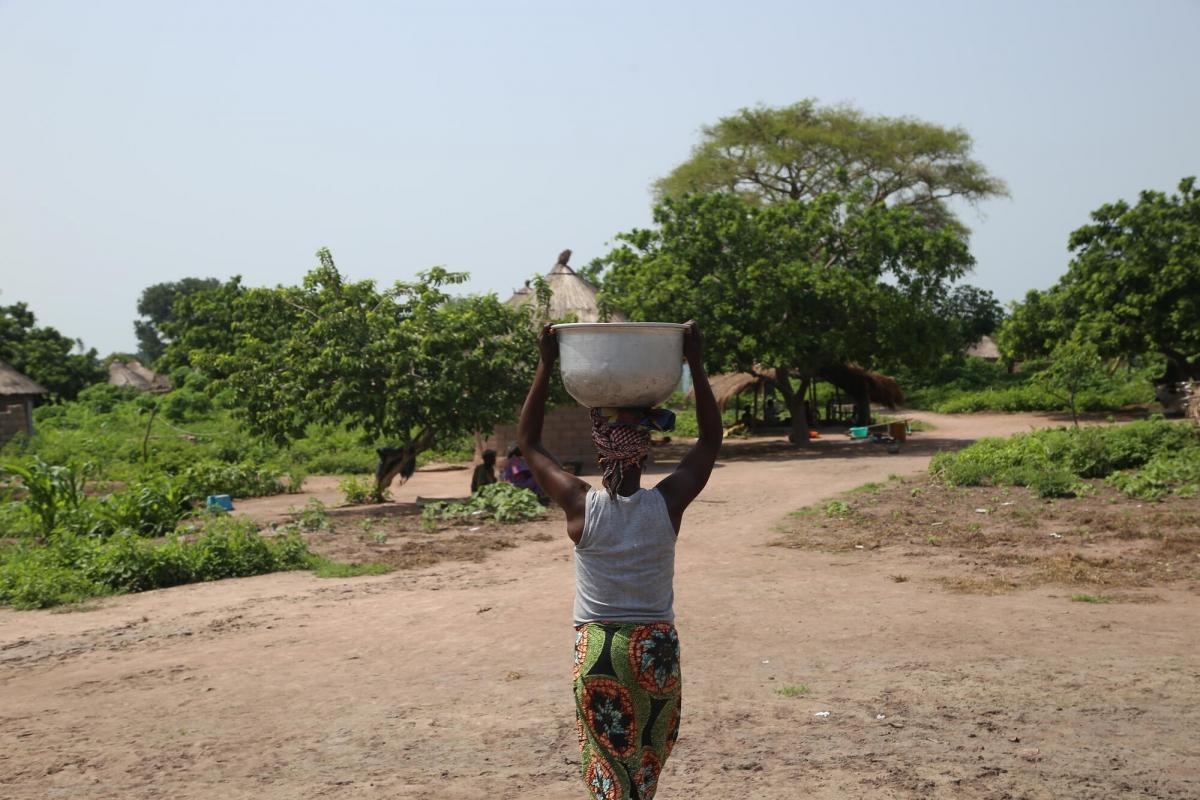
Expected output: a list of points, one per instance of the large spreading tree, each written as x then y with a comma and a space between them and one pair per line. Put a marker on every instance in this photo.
788, 288
410, 364
802, 151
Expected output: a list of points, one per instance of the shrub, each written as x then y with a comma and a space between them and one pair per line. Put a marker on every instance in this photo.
236, 480
50, 492
73, 568
185, 404
1054, 463
971, 384
501, 502
1178, 471
313, 517
150, 508
362, 490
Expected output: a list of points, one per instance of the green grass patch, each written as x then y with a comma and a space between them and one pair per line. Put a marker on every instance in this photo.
837, 508
867, 488
792, 690
323, 568
1091, 598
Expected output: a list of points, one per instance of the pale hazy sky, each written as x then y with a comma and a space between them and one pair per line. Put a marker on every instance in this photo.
143, 142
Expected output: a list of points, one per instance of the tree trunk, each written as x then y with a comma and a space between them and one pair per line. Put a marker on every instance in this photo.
796, 406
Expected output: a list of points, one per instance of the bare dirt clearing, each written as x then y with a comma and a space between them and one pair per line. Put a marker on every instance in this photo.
453, 680
998, 539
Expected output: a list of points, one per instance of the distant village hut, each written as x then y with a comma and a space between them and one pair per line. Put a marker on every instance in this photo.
17, 395
132, 373
571, 296
986, 349
567, 432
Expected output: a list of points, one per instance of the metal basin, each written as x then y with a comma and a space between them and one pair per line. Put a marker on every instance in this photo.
620, 364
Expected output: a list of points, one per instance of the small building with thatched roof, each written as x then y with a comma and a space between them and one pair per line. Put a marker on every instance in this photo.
571, 296
986, 349
17, 393
567, 430
132, 373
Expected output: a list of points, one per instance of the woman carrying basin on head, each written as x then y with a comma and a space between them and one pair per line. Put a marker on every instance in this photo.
626, 676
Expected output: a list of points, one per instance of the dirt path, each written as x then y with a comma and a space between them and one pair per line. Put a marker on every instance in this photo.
454, 681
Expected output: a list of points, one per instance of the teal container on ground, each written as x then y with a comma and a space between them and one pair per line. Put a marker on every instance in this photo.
219, 502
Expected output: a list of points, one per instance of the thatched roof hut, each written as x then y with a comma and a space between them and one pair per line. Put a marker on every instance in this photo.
986, 349
132, 373
850, 378
15, 385
571, 295
17, 393
856, 381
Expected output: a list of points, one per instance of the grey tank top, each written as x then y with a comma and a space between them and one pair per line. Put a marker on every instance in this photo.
625, 560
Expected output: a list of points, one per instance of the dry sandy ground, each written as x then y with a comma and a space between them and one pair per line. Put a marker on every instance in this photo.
454, 681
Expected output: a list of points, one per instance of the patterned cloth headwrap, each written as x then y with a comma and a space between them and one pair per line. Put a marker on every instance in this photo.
618, 447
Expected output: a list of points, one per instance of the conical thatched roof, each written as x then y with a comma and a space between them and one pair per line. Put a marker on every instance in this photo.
13, 383
985, 348
571, 295
132, 373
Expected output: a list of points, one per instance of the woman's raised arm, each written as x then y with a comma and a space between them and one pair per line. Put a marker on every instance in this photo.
562, 487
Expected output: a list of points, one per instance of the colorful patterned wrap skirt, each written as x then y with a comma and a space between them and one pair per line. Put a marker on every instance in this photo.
628, 700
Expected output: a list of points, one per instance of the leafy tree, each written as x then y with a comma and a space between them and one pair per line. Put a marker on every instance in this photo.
58, 363
1134, 281
1075, 366
200, 320
802, 151
788, 288
1035, 325
156, 304
971, 313
411, 364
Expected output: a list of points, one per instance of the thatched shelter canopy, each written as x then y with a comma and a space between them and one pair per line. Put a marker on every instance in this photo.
728, 386
132, 373
15, 385
571, 295
854, 381
850, 378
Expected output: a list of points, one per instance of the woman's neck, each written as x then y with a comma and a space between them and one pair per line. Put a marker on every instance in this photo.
630, 482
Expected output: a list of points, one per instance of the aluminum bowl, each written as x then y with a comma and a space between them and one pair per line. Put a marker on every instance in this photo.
622, 364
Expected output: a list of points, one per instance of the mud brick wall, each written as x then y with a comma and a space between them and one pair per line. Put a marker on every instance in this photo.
566, 433
12, 420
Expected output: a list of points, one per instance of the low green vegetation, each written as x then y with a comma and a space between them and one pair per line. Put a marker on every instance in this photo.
71, 567
792, 690
1091, 598
1146, 459
497, 502
60, 544
837, 508
358, 490
963, 385
324, 568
